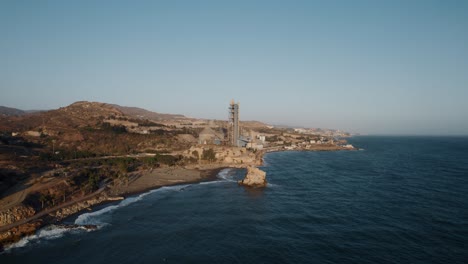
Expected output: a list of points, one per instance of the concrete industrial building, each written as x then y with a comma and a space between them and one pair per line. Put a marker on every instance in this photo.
233, 124
210, 137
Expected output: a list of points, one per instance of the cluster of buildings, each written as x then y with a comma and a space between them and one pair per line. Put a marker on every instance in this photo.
300, 138
232, 135
322, 132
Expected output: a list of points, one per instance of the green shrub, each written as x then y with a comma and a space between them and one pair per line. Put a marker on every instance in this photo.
209, 154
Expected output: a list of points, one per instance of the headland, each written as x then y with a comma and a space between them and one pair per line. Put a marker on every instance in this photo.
58, 163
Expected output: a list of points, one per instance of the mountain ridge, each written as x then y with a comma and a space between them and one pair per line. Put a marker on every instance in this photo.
10, 111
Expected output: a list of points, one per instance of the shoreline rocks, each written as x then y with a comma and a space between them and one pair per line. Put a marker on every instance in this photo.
254, 178
16, 233
165, 177
15, 214
75, 226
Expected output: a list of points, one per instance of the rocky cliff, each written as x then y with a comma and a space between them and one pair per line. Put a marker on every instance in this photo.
18, 232
254, 178
15, 214
21, 212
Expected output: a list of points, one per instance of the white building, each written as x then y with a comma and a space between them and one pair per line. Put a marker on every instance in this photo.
262, 138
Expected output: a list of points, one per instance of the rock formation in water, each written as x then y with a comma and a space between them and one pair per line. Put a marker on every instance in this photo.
254, 178
75, 226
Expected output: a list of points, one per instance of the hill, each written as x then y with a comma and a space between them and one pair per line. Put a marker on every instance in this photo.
253, 124
94, 128
76, 115
8, 111
141, 113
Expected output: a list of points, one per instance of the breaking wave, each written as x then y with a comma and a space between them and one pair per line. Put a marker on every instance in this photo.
209, 182
226, 175
93, 218
47, 233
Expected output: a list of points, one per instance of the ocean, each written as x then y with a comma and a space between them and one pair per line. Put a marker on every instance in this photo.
396, 200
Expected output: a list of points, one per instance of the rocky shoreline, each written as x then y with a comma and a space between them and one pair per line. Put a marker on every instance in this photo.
147, 181
142, 181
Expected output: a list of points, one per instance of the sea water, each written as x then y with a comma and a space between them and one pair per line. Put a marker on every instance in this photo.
397, 200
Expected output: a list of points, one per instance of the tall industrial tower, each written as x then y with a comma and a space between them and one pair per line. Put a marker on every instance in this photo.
233, 123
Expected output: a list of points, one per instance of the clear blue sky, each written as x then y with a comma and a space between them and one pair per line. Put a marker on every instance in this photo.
378, 67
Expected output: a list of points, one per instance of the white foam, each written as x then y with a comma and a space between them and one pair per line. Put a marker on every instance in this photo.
94, 219
226, 175
46, 233
209, 182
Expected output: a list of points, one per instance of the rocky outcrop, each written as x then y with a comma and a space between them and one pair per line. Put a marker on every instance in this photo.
18, 213
18, 232
15, 214
254, 178
77, 207
75, 226
225, 156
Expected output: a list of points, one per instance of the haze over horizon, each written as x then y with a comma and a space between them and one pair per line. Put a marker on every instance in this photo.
372, 67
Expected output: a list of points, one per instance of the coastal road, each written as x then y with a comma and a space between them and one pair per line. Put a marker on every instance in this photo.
48, 211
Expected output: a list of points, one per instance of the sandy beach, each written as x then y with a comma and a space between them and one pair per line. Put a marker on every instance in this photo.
142, 181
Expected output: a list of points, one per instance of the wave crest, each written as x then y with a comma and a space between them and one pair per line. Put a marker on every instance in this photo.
226, 175
93, 218
47, 233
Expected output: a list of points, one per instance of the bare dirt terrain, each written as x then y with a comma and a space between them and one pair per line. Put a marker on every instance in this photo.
151, 179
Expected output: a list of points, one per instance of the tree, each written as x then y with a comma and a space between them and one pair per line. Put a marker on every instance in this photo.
123, 166
166, 159
209, 154
43, 199
93, 181
149, 161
